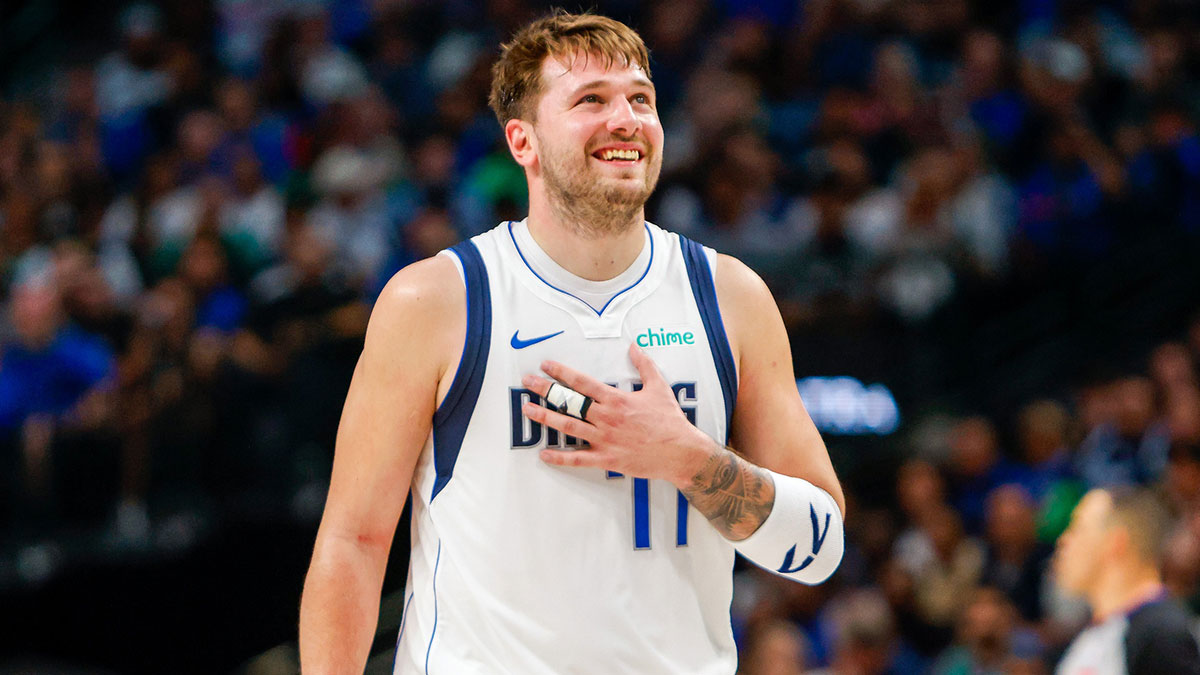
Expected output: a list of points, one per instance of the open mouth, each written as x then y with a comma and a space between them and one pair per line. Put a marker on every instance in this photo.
618, 155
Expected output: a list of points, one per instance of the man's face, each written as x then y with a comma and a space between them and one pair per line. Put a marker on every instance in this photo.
586, 114
1080, 552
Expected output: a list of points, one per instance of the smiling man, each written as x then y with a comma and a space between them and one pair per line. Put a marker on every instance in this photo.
562, 397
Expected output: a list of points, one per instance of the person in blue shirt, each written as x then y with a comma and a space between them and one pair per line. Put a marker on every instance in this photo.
53, 378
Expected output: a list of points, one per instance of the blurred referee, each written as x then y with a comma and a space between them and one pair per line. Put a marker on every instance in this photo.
1110, 555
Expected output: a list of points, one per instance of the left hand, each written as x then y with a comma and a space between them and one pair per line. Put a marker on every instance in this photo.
643, 433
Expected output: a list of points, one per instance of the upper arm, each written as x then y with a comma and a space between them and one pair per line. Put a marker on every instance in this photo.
770, 425
415, 334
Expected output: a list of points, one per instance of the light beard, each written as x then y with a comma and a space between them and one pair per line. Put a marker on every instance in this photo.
590, 208
595, 212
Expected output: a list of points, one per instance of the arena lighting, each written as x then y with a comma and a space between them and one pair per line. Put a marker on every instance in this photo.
843, 405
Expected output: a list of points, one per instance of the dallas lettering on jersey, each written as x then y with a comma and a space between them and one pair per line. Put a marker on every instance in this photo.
529, 434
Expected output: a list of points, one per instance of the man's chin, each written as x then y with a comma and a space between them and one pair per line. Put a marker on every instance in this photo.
626, 199
626, 191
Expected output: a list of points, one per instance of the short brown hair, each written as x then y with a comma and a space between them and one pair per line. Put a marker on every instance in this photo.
517, 75
1143, 515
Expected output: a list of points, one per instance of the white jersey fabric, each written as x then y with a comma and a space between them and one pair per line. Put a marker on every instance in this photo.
525, 568
1098, 650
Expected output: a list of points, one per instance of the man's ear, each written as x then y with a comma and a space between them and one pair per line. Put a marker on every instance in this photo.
522, 142
1118, 542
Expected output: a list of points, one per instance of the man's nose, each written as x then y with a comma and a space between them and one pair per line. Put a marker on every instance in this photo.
623, 120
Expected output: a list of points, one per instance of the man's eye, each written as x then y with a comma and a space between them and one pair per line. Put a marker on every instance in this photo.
641, 98
590, 98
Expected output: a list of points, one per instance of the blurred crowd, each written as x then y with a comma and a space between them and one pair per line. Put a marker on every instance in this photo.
197, 211
952, 575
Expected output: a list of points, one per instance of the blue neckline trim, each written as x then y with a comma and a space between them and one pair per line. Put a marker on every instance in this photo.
599, 312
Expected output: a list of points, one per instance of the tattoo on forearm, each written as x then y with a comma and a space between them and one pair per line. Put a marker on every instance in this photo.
735, 495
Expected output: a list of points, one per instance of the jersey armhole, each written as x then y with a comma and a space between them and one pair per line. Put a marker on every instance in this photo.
701, 275
451, 418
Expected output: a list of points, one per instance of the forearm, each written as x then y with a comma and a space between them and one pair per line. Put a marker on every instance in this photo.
783, 523
340, 607
734, 494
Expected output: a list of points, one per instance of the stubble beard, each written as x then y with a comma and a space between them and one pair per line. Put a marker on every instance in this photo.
591, 207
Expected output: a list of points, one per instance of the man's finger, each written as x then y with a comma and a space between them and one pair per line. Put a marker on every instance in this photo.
584, 384
536, 384
646, 367
556, 420
584, 458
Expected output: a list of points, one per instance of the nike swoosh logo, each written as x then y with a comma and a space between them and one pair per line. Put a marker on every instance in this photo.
518, 343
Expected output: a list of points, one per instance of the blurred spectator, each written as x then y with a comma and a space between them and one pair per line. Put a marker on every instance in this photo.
252, 217
944, 566
920, 489
917, 275
1181, 483
1172, 367
774, 647
1043, 428
990, 640
977, 467
866, 642
351, 215
132, 86
56, 407
1181, 563
1131, 448
249, 128
1016, 560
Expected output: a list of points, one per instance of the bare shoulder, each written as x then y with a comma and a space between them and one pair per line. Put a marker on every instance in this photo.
427, 286
735, 280
747, 307
420, 313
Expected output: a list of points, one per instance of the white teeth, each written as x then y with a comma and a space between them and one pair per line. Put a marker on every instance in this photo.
611, 153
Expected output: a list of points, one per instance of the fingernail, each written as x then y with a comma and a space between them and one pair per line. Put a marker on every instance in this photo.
527, 380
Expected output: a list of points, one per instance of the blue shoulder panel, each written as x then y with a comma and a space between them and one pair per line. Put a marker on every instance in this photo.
701, 278
452, 416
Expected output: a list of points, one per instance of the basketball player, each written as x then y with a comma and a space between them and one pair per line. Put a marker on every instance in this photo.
1111, 555
597, 536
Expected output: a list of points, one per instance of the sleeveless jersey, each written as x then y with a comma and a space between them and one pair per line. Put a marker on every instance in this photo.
521, 567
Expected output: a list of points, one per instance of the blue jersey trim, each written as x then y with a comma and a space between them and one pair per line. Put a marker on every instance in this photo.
432, 635
452, 416
641, 513
599, 312
701, 278
681, 520
403, 620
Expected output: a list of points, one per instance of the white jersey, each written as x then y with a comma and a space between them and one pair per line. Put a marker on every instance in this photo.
525, 568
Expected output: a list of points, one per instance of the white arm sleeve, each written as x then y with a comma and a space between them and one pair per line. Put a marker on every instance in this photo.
803, 537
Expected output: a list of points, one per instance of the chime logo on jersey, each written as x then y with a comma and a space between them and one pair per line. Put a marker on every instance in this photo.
528, 434
661, 337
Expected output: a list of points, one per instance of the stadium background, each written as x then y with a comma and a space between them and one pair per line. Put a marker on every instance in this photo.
981, 221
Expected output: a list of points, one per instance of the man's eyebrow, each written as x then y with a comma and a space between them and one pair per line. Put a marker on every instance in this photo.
594, 84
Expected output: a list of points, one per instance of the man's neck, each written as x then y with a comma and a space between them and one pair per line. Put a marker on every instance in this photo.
1120, 590
595, 256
